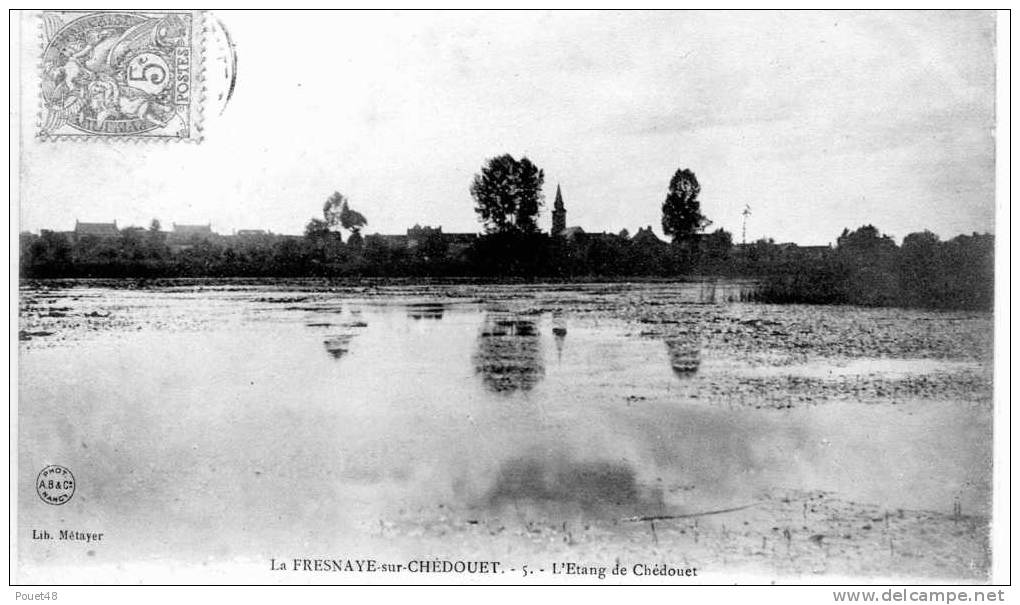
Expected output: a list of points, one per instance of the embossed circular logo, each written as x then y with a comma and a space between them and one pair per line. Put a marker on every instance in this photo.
55, 484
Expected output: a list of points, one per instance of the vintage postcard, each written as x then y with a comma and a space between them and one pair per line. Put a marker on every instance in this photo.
536, 297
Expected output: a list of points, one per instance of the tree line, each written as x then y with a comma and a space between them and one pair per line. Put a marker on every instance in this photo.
865, 267
868, 268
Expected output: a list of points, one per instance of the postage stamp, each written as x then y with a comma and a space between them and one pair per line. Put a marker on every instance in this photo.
121, 75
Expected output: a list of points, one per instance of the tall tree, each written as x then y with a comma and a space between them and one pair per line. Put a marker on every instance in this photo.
352, 220
681, 212
156, 239
508, 194
333, 209
337, 214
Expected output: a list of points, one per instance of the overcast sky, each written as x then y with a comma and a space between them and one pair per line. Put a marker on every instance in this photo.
818, 120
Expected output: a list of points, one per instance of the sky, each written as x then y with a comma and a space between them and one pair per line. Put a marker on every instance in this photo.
816, 120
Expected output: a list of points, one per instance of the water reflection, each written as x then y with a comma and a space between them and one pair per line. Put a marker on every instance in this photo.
338, 345
559, 330
684, 355
509, 354
416, 428
426, 310
588, 484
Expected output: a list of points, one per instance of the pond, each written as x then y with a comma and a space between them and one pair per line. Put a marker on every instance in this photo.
207, 427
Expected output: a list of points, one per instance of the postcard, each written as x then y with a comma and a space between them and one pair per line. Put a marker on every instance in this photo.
535, 297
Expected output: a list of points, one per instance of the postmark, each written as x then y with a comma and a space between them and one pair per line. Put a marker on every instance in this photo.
121, 75
55, 485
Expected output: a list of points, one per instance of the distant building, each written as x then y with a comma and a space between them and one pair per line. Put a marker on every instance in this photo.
603, 236
393, 242
815, 251
418, 235
647, 238
559, 214
559, 221
769, 247
183, 237
795, 248
251, 232
192, 231
95, 229
572, 232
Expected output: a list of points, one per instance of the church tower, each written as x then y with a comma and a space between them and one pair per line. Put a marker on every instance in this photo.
559, 214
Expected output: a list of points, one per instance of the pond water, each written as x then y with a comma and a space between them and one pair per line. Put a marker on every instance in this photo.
266, 423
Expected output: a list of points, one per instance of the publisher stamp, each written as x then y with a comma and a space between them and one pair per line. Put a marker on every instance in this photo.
121, 75
55, 485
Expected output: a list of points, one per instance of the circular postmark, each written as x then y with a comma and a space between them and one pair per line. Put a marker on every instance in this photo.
55, 484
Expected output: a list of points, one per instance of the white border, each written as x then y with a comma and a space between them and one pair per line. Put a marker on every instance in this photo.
1001, 538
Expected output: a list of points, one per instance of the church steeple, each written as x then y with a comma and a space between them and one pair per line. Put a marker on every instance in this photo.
559, 214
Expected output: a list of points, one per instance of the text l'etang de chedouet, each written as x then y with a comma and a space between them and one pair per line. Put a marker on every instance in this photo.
448, 566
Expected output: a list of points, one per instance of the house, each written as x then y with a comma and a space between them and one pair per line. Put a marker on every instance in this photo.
189, 232
604, 236
768, 248
816, 252
393, 242
417, 236
102, 230
645, 237
183, 237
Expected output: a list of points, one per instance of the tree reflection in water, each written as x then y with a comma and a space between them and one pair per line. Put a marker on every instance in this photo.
426, 310
684, 355
509, 355
338, 345
559, 322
